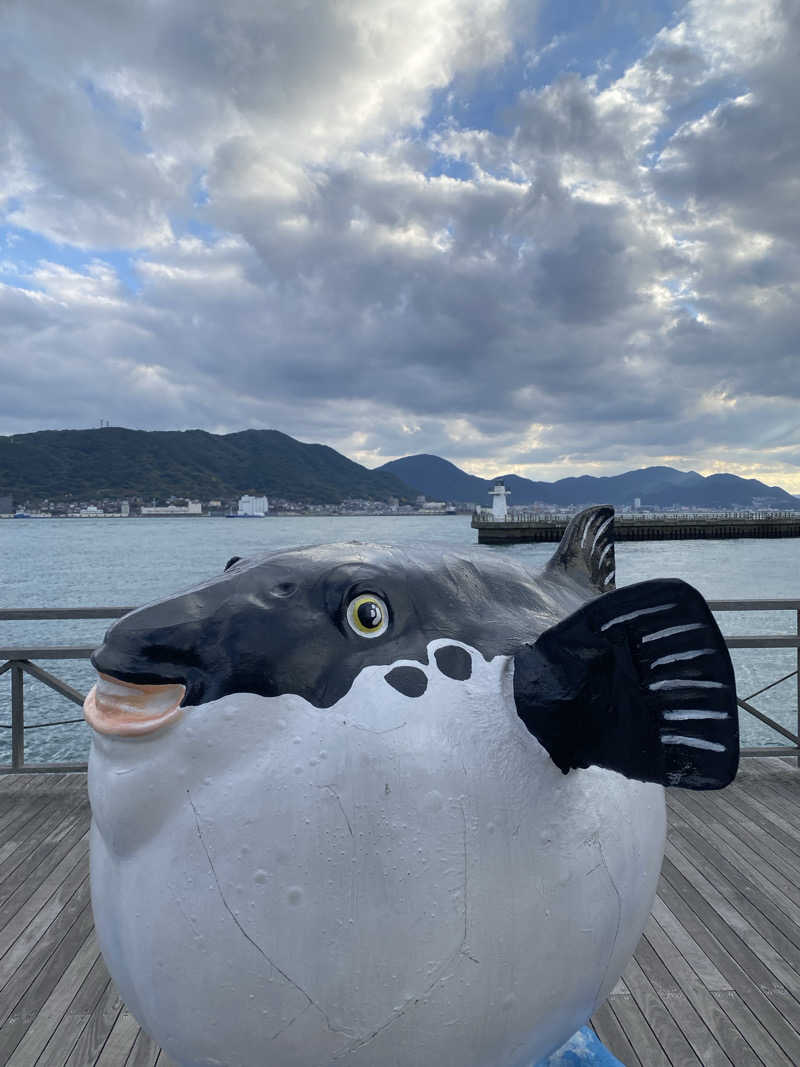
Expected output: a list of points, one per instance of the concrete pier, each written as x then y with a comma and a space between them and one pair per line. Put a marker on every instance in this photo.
528, 528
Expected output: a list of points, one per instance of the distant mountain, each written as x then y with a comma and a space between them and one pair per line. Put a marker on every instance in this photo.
654, 486
113, 462
438, 479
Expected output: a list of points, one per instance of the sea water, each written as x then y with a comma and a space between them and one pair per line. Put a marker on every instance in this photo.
70, 563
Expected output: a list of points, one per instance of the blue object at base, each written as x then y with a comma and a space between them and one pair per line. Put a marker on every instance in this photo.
584, 1049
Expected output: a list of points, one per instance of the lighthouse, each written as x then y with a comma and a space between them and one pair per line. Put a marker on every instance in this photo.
498, 495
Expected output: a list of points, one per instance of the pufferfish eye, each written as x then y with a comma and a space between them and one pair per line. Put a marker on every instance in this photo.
368, 615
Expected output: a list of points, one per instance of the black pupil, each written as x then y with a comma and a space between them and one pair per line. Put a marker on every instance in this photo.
369, 615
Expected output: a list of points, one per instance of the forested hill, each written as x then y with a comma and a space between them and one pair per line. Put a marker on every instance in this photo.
117, 463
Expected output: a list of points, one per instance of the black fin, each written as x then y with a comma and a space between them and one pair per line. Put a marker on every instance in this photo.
586, 551
639, 681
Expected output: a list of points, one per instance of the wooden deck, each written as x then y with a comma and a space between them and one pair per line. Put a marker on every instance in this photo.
715, 980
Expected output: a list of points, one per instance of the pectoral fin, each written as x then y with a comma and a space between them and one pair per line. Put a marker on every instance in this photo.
638, 681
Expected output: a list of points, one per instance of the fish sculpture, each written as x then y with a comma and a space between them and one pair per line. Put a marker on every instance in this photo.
374, 806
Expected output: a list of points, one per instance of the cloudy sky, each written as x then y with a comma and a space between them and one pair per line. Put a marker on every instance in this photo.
543, 237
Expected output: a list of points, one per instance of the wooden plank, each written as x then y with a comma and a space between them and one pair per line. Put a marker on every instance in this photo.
750, 804
46, 979
638, 1031
727, 953
606, 1026
701, 1003
716, 919
51, 823
772, 923
53, 1009
670, 1037
31, 815
92, 989
144, 1052
95, 1033
63, 1041
755, 837
684, 945
25, 974
46, 857
17, 914
31, 931
739, 848
776, 952
761, 1041
29, 793
120, 1041
77, 1017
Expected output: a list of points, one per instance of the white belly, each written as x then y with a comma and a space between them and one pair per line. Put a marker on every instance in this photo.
391, 881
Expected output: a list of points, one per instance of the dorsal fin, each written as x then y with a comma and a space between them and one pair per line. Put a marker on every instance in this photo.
586, 552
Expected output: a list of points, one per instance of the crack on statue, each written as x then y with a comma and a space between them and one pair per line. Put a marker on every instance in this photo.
464, 822
247, 937
341, 806
604, 863
439, 973
371, 729
293, 1020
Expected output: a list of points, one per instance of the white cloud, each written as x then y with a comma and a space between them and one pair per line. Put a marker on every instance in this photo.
590, 274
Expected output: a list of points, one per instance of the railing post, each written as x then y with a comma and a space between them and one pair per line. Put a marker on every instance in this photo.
17, 717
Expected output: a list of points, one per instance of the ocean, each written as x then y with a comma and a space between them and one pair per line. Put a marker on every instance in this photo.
65, 563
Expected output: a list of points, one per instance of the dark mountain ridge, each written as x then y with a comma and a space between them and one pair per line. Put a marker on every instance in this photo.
114, 462
439, 479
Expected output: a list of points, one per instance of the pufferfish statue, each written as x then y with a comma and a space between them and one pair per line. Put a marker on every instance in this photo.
366, 806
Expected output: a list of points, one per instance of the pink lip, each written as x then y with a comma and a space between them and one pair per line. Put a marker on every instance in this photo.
123, 709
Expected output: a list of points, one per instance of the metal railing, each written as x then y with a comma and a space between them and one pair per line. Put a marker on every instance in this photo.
768, 641
19, 661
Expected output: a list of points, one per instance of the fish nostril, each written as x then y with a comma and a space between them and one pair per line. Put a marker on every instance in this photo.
284, 589
410, 681
453, 661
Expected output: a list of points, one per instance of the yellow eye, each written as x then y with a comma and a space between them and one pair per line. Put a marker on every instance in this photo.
368, 615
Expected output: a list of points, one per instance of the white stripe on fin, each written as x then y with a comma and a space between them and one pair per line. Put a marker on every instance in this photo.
608, 520
585, 531
605, 552
610, 578
636, 614
686, 683
694, 713
683, 655
671, 630
692, 742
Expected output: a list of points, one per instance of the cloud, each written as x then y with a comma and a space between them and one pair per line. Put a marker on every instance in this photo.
396, 228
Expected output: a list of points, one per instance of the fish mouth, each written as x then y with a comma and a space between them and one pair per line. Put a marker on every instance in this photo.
126, 709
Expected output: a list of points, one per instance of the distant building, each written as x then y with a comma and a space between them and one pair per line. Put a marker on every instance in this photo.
434, 506
253, 506
637, 502
91, 512
125, 508
192, 507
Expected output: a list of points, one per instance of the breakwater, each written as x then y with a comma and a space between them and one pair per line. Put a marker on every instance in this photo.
531, 528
